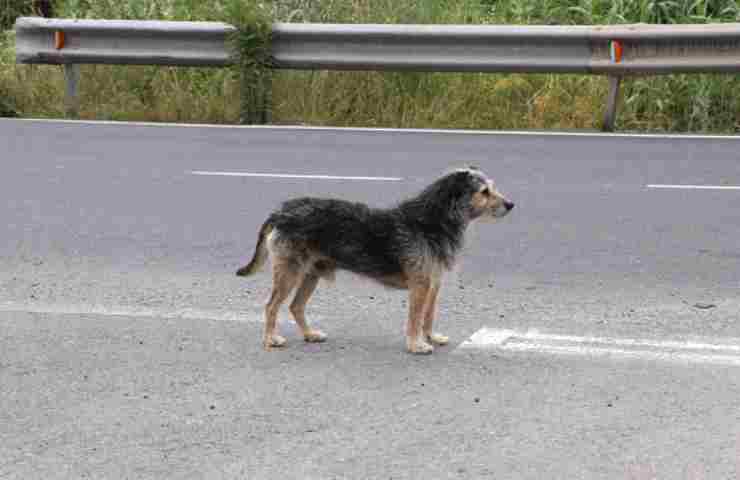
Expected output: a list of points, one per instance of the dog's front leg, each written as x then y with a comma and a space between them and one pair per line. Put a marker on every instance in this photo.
430, 312
419, 291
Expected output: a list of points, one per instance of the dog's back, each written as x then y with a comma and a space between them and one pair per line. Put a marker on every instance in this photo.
352, 235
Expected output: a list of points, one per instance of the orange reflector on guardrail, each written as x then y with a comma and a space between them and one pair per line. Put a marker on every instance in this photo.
615, 48
59, 40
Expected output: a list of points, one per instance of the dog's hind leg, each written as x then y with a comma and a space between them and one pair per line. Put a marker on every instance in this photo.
419, 291
298, 308
284, 279
431, 311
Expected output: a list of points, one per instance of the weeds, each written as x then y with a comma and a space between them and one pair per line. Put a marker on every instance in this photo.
10, 9
251, 45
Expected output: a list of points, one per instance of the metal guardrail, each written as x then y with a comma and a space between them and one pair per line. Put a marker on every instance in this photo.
645, 49
121, 42
616, 51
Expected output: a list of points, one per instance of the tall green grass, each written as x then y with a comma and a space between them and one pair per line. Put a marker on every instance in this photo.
251, 43
707, 103
10, 9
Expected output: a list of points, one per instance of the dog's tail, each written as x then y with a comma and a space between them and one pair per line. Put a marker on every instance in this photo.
260, 252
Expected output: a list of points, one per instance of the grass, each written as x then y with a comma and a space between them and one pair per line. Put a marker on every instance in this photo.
702, 103
10, 9
252, 41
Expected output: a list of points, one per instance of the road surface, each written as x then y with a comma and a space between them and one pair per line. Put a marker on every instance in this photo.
594, 331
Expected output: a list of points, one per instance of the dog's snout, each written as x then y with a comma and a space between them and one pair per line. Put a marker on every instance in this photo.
509, 205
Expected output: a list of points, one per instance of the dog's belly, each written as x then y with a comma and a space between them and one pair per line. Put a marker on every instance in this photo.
373, 259
326, 268
398, 281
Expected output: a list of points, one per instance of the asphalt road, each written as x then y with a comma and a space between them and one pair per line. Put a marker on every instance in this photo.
128, 349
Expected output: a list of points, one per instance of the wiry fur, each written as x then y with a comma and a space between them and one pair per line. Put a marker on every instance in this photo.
409, 246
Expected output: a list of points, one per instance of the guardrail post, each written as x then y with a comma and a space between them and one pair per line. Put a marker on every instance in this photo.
71, 91
612, 100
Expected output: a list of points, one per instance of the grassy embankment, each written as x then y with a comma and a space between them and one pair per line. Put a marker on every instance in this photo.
671, 103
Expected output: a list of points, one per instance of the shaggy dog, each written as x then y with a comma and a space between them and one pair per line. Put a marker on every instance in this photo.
408, 247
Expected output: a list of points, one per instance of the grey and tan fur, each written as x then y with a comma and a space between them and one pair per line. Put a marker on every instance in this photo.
409, 247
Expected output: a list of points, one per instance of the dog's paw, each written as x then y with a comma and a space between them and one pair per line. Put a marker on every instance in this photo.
274, 341
438, 339
314, 336
419, 347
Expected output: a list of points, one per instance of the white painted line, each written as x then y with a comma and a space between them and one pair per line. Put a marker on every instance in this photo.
666, 356
631, 342
132, 311
701, 352
290, 175
487, 337
696, 187
382, 130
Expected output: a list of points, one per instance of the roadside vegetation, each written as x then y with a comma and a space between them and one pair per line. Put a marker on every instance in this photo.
707, 103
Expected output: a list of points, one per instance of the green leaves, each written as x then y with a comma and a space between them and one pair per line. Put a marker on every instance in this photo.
12, 9
251, 45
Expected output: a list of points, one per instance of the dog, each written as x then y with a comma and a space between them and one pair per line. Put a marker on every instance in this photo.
407, 247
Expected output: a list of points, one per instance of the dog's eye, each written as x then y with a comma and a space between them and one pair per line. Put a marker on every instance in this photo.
486, 192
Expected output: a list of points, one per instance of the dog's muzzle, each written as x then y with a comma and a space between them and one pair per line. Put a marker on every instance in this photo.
503, 209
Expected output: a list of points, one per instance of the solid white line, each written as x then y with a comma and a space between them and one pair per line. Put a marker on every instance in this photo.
289, 175
696, 187
488, 337
131, 311
665, 356
631, 342
719, 353
383, 130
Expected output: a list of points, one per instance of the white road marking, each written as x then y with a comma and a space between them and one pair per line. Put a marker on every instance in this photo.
705, 352
696, 187
290, 175
383, 130
132, 311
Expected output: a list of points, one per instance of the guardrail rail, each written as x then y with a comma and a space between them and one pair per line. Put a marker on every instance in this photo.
615, 51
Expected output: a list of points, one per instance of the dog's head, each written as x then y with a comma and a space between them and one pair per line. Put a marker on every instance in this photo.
477, 196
